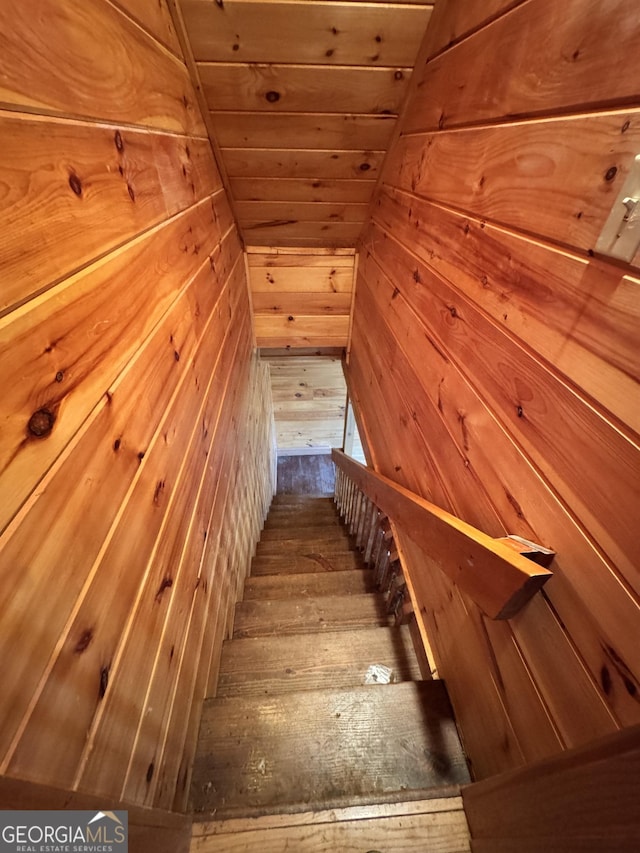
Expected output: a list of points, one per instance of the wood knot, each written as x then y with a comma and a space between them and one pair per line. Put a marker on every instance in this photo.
398, 75
104, 681
59, 376
131, 192
75, 183
41, 423
272, 96
364, 167
611, 173
118, 141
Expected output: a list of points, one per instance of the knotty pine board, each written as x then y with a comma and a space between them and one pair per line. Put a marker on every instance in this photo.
96, 187
303, 130
299, 33
269, 211
312, 272
452, 19
72, 341
130, 79
557, 178
285, 163
522, 398
101, 612
580, 315
301, 330
156, 20
564, 60
340, 89
276, 302
302, 189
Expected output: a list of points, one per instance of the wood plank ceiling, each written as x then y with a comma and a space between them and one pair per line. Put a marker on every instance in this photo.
303, 97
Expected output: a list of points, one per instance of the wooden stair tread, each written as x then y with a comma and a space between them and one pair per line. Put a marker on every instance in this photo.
303, 500
268, 617
309, 584
259, 666
304, 533
316, 749
438, 825
292, 522
319, 545
312, 561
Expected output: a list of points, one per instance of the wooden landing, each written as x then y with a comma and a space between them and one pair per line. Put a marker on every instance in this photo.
268, 666
435, 825
331, 748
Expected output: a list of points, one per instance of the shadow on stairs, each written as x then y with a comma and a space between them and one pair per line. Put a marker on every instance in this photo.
322, 735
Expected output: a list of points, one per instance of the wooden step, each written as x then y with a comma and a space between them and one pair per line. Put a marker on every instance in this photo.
278, 519
292, 563
302, 533
261, 666
322, 545
303, 500
322, 749
264, 618
308, 584
438, 825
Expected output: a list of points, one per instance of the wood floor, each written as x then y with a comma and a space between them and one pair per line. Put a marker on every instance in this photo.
305, 747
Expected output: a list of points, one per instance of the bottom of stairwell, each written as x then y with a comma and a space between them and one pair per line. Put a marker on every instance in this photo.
301, 749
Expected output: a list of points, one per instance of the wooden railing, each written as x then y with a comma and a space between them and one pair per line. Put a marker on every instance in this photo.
494, 575
374, 538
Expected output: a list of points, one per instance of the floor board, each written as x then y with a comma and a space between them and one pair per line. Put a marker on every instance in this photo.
314, 561
306, 475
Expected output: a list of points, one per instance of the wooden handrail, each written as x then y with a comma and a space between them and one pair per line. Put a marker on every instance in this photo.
496, 577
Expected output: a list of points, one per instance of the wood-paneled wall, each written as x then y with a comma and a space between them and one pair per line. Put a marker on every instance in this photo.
309, 402
301, 297
136, 446
495, 360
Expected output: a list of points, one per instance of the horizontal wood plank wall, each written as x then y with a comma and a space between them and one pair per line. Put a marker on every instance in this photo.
309, 399
136, 451
495, 359
301, 297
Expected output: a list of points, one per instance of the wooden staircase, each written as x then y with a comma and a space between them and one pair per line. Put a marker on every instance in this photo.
303, 720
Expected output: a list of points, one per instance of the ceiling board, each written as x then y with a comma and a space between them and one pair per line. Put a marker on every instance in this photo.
313, 33
302, 189
303, 97
303, 130
298, 88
